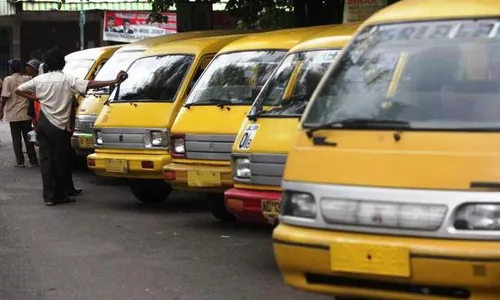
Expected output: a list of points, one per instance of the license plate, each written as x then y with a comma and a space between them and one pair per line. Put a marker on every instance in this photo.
85, 141
116, 165
270, 209
370, 259
204, 179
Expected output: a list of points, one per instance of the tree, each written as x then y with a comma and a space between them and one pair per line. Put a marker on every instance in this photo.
271, 13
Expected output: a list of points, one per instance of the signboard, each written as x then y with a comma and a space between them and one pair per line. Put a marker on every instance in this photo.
360, 10
132, 26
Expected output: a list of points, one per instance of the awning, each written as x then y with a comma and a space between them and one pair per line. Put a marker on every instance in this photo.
76, 5
7, 8
86, 5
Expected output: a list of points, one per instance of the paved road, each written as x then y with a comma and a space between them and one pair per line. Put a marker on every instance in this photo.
107, 246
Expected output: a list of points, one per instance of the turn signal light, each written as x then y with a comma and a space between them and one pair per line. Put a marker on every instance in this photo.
90, 162
169, 175
178, 145
147, 164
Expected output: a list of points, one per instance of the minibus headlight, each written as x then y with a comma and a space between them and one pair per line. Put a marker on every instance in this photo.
179, 145
98, 138
299, 204
242, 167
383, 214
155, 138
478, 217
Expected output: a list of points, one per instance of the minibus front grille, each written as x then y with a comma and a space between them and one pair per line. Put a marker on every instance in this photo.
267, 169
410, 289
209, 146
126, 138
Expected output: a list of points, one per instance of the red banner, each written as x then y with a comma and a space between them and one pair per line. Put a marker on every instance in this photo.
134, 25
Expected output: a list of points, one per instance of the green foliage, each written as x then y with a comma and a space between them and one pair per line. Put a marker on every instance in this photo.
258, 14
251, 13
159, 6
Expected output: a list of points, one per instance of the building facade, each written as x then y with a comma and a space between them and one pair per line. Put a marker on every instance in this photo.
28, 28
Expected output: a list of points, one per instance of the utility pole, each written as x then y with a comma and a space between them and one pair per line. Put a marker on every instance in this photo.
82, 26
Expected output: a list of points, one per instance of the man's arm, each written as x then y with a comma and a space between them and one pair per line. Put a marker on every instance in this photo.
26, 95
93, 84
79, 86
27, 90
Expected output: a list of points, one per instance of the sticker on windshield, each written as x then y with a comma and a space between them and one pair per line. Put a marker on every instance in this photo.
247, 137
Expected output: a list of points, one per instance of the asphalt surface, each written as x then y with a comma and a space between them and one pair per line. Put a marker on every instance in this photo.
108, 246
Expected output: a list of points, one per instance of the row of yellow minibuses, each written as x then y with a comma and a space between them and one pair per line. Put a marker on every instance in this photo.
373, 145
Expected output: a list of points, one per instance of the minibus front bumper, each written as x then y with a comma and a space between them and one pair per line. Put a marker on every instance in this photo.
83, 143
254, 206
436, 269
203, 177
128, 165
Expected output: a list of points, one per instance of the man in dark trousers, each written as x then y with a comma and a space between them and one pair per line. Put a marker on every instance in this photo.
16, 109
54, 90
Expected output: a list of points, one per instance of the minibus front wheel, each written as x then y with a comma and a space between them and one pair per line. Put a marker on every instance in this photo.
217, 206
150, 191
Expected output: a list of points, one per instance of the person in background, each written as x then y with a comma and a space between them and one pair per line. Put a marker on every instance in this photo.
32, 68
0, 97
54, 90
15, 108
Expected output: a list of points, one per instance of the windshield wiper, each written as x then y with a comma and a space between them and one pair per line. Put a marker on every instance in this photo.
285, 103
219, 102
361, 123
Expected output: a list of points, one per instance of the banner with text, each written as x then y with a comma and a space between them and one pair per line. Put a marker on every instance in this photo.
360, 10
132, 26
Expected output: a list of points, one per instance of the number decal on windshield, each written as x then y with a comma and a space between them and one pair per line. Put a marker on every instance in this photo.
247, 137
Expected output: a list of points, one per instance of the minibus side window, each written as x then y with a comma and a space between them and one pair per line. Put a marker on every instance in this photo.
205, 61
97, 69
78, 68
290, 88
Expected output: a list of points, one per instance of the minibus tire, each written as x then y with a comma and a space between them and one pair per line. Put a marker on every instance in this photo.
217, 206
150, 190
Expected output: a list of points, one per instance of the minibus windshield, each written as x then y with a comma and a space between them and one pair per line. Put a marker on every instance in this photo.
118, 61
78, 68
153, 79
291, 86
440, 75
235, 78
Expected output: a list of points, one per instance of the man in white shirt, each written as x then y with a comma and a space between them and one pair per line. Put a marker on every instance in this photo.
54, 91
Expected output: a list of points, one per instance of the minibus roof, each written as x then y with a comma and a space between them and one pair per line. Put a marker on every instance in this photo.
420, 10
145, 44
194, 46
91, 54
337, 36
277, 39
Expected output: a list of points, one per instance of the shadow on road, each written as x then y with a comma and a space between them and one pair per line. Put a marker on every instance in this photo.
178, 203
210, 225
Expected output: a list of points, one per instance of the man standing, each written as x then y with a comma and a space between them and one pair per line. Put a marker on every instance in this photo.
54, 91
15, 108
